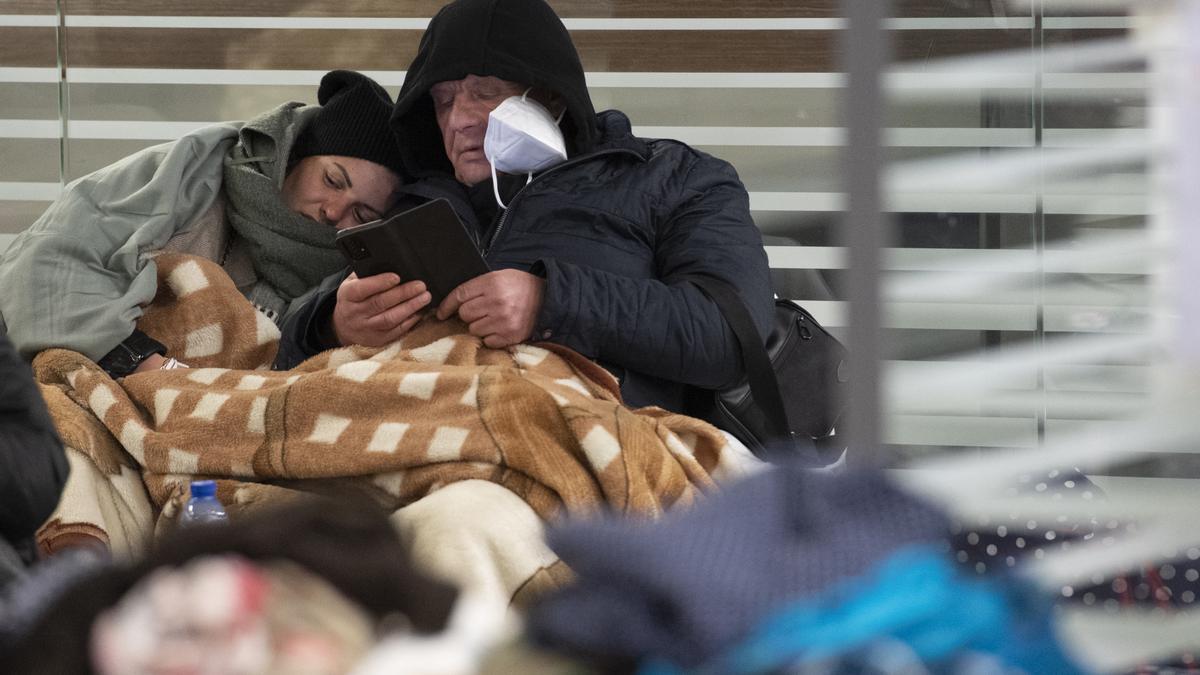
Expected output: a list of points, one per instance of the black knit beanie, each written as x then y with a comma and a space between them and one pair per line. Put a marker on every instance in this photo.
352, 122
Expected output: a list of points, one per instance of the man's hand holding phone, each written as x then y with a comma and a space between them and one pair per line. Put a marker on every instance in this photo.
376, 310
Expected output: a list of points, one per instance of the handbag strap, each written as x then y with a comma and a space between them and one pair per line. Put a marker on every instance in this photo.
764, 386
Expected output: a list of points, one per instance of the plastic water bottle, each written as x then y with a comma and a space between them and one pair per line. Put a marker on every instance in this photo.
203, 507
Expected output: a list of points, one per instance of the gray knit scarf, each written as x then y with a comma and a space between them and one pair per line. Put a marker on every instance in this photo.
290, 253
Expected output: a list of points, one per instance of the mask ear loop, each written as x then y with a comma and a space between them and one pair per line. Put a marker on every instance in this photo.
557, 120
496, 185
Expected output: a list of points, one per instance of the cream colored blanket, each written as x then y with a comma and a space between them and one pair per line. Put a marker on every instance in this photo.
395, 424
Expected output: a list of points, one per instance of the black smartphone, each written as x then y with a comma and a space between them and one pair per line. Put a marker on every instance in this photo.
428, 242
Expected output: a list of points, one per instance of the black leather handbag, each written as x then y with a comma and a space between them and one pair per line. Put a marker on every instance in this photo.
795, 388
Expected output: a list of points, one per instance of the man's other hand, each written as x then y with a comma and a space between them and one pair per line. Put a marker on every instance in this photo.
500, 307
377, 310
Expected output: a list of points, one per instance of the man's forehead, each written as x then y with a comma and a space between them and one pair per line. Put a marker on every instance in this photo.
476, 81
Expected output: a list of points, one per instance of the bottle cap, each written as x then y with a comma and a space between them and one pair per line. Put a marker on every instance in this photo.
204, 488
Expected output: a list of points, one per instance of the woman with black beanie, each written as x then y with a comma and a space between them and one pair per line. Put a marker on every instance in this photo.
263, 198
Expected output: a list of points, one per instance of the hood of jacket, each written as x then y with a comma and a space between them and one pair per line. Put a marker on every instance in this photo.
518, 40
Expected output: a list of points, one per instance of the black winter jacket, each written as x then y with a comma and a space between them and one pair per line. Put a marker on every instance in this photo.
33, 467
616, 232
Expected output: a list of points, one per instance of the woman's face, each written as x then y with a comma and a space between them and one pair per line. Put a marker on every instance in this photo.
340, 191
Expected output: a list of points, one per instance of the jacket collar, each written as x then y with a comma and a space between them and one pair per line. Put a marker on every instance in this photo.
616, 133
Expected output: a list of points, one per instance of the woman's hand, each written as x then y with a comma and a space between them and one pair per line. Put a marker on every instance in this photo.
152, 362
158, 362
377, 310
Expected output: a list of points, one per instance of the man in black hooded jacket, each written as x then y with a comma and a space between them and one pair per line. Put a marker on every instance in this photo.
594, 253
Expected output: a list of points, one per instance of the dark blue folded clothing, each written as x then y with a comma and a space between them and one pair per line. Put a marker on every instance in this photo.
1169, 581
686, 588
999, 546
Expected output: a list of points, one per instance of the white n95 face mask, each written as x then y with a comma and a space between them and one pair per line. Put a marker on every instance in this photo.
522, 137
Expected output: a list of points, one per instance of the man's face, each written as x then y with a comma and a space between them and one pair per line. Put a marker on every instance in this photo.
340, 191
462, 108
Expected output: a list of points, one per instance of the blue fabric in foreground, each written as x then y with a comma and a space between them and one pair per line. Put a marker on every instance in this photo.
915, 597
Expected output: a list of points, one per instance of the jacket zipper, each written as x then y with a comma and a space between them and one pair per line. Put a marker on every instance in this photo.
578, 160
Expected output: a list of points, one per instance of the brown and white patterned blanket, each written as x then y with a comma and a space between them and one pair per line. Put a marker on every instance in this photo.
395, 423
